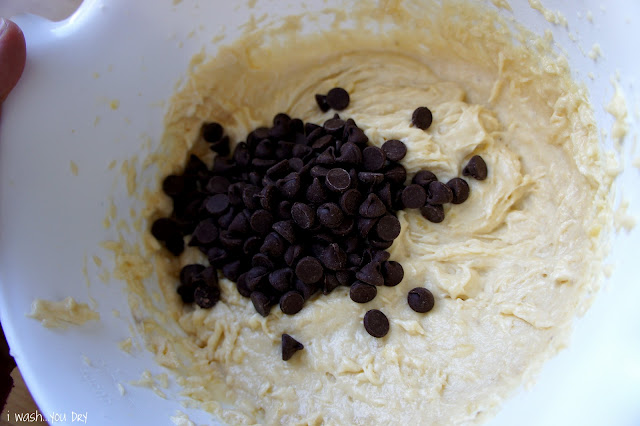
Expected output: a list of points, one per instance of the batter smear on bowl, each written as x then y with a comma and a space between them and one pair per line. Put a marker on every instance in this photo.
478, 295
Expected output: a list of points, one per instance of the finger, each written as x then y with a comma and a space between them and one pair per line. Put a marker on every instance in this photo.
6, 366
13, 54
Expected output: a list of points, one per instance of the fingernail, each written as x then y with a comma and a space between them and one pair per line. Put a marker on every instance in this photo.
3, 26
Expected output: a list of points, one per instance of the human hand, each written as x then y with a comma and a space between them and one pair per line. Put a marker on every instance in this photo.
12, 59
12, 56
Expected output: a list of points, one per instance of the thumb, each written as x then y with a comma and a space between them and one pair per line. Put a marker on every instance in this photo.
12, 56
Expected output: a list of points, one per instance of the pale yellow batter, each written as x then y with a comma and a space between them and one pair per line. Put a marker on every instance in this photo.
63, 313
510, 268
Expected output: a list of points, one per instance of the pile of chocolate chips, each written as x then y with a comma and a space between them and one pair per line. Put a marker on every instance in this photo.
300, 208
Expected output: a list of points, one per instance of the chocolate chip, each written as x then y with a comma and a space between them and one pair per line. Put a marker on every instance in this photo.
291, 302
218, 185
388, 228
241, 155
330, 215
394, 149
420, 300
309, 163
281, 119
296, 164
476, 168
424, 178
217, 204
263, 163
377, 255
322, 143
365, 225
289, 186
350, 202
292, 254
422, 118
310, 127
330, 283
175, 244
261, 221
345, 228
164, 229
316, 193
206, 296
267, 197
323, 238
319, 172
209, 276
273, 245
414, 196
217, 256
189, 273
250, 197
206, 232
350, 154
309, 270
222, 165
232, 270
328, 156
338, 98
257, 135
286, 229
303, 215
262, 260
321, 100
460, 189
439, 193
239, 224
357, 136
370, 178
195, 166
279, 169
372, 207
241, 286
226, 218
376, 323
432, 213
334, 126
333, 257
264, 149
281, 131
392, 272
211, 132
396, 174
379, 244
289, 347
362, 293
235, 194
173, 185
370, 274
281, 279
256, 277
301, 151
338, 180
307, 290
221, 146
284, 210
252, 245
373, 158
261, 303
186, 293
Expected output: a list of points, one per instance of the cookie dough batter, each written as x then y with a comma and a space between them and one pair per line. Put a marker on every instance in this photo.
509, 271
63, 313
